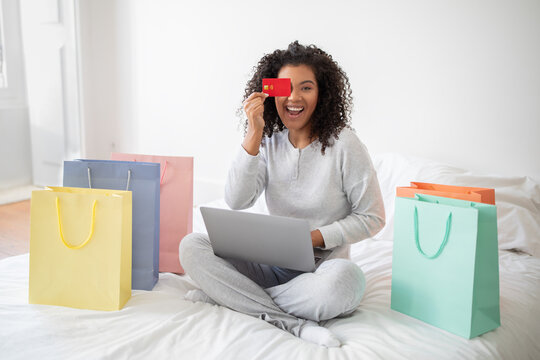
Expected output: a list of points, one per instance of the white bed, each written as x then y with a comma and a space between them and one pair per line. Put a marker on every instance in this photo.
160, 325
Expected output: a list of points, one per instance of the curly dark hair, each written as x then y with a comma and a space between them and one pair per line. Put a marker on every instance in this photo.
334, 103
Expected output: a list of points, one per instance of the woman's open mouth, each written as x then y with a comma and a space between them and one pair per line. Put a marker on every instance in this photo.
294, 110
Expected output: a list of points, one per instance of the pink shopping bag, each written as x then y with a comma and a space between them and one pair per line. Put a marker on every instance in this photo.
176, 204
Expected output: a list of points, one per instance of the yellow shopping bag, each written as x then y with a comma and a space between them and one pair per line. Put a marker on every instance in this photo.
80, 248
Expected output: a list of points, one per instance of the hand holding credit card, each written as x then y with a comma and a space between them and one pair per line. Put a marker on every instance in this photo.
276, 87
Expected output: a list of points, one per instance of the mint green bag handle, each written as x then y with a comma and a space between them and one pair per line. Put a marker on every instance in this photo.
445, 240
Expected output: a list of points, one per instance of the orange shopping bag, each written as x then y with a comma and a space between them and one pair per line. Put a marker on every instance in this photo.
476, 194
176, 204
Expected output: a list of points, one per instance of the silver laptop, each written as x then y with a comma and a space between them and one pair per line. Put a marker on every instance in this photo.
263, 239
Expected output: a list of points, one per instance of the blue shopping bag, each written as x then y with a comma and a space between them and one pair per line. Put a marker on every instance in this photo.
143, 180
445, 268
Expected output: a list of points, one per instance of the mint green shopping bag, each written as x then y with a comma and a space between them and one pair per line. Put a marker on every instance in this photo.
445, 266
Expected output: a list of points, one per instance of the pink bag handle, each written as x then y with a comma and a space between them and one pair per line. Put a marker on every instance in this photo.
163, 174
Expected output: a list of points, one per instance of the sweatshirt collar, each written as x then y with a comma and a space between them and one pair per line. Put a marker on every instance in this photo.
290, 146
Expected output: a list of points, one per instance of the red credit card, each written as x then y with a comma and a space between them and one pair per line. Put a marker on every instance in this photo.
276, 87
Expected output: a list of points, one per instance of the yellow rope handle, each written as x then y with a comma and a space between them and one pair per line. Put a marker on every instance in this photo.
60, 226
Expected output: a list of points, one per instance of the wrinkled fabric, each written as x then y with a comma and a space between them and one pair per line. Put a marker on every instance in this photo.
281, 297
158, 324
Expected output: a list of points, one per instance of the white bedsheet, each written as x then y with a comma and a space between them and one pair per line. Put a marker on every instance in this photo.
158, 324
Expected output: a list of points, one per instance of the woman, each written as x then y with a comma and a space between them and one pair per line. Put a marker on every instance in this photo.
301, 151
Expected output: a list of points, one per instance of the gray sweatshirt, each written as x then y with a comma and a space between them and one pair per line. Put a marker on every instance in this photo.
338, 193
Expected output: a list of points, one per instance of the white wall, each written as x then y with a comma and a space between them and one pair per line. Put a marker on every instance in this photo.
455, 81
52, 86
107, 89
15, 154
15, 158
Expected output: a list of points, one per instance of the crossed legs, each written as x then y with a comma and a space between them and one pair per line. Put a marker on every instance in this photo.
334, 289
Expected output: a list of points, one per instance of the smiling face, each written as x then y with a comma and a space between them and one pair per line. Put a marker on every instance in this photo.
295, 111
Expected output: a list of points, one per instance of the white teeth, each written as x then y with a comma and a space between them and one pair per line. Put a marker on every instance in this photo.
291, 108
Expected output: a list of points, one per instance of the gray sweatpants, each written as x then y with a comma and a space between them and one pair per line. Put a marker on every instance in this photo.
279, 296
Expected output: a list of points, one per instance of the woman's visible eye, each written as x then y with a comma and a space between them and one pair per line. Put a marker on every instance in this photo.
306, 88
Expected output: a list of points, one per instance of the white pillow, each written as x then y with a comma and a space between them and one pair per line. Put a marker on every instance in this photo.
198, 222
517, 198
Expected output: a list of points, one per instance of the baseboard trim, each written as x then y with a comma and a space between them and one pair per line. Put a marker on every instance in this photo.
16, 194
